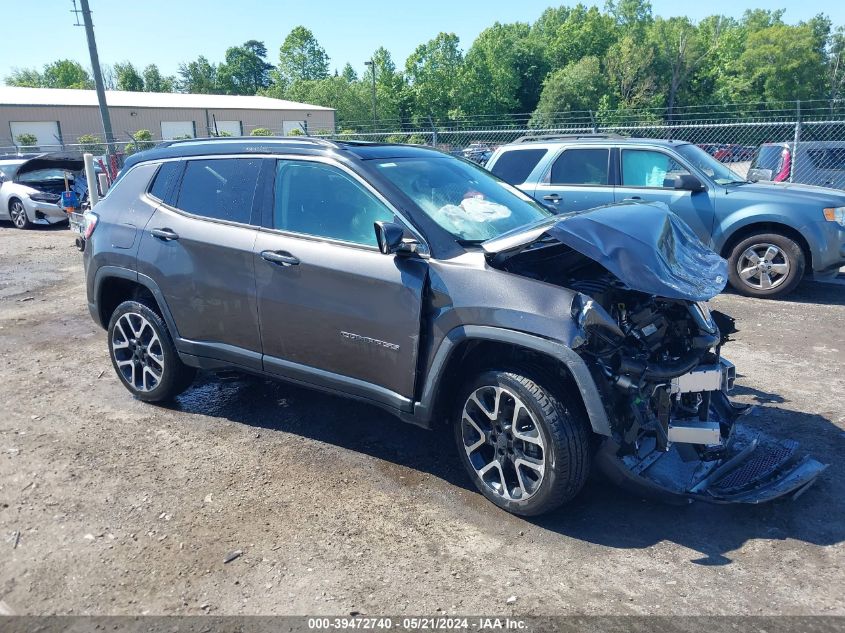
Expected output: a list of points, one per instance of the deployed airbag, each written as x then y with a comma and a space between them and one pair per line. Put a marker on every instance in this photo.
647, 247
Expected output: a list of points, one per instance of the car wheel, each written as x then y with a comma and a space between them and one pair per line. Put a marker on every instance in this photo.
523, 446
767, 265
17, 213
143, 354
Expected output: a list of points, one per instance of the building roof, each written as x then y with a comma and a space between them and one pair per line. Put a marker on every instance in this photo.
12, 95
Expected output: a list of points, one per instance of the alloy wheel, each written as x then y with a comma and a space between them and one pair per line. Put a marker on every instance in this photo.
137, 351
18, 214
763, 266
503, 442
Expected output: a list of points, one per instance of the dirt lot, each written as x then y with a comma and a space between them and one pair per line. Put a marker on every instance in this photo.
108, 505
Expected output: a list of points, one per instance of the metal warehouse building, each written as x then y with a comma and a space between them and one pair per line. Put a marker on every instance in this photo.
58, 118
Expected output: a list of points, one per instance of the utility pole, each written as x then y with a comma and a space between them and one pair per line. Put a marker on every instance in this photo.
372, 64
95, 68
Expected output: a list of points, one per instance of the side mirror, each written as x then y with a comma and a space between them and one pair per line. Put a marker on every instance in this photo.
391, 239
2, 177
688, 182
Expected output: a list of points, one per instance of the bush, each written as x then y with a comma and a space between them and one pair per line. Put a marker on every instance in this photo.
181, 137
261, 131
224, 133
142, 139
416, 139
395, 138
91, 143
26, 140
296, 132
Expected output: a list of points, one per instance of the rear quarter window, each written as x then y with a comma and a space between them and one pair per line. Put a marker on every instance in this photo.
516, 165
165, 178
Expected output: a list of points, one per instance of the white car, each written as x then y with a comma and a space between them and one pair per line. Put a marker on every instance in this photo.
30, 189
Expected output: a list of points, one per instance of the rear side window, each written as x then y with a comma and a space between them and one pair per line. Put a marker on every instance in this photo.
581, 167
221, 189
830, 158
515, 166
768, 157
164, 180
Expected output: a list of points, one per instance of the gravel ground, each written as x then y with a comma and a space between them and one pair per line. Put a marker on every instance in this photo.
112, 506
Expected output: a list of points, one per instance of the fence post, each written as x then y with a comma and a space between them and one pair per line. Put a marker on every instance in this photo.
433, 131
795, 141
593, 122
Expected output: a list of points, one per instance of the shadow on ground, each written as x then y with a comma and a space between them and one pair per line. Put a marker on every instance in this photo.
601, 514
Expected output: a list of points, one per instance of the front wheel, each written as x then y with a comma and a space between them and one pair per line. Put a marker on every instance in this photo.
143, 354
766, 266
524, 446
17, 213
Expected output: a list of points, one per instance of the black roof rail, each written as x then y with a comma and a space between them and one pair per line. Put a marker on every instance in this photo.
256, 139
530, 138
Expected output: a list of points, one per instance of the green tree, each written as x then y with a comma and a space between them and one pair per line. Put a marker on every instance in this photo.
503, 71
585, 32
128, 77
631, 70
348, 73
782, 63
198, 77
351, 100
576, 88
66, 73
25, 78
392, 94
632, 15
154, 81
836, 64
141, 140
680, 49
261, 131
434, 75
92, 144
245, 70
301, 58
26, 140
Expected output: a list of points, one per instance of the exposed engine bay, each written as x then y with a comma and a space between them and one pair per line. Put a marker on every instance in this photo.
658, 364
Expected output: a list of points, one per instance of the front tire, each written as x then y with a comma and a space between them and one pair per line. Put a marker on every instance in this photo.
143, 354
525, 447
766, 266
17, 213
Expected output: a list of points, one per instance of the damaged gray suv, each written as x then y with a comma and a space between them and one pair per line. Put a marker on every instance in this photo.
418, 282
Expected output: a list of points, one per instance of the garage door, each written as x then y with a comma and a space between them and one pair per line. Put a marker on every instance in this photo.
177, 129
47, 133
230, 127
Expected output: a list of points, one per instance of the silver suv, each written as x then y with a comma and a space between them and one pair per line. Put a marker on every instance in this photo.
420, 283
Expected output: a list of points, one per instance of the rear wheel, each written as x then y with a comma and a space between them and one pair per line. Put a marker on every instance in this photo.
143, 354
525, 448
17, 213
766, 265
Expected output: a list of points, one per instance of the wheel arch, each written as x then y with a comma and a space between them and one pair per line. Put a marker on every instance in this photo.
476, 348
113, 286
755, 228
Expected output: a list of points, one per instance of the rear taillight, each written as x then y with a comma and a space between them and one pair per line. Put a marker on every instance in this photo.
783, 174
91, 220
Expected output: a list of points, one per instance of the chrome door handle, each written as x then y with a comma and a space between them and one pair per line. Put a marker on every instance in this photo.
552, 197
281, 258
168, 235
632, 198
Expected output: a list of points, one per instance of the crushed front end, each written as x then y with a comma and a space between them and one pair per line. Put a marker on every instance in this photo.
641, 280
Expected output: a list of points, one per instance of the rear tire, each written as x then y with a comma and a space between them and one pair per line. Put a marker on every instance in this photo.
766, 266
143, 354
17, 214
525, 447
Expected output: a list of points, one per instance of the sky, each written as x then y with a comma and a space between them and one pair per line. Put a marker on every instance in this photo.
168, 32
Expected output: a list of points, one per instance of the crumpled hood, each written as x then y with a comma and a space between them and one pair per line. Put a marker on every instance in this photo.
71, 161
645, 245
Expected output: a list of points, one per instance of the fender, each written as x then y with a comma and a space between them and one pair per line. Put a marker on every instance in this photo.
107, 272
423, 411
754, 214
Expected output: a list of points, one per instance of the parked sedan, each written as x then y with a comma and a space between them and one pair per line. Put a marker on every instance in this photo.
30, 189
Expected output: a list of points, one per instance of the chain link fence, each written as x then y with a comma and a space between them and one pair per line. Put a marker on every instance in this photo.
792, 142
